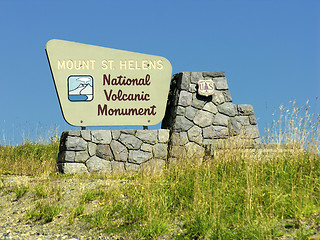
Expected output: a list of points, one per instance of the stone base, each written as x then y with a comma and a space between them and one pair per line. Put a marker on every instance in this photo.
111, 151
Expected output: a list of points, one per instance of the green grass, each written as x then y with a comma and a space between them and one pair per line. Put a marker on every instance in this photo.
236, 194
76, 213
92, 195
30, 158
20, 190
220, 200
43, 211
43, 190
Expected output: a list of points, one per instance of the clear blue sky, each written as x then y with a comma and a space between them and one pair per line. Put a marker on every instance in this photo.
269, 50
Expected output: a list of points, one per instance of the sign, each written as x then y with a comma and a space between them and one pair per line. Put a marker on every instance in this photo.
99, 86
205, 87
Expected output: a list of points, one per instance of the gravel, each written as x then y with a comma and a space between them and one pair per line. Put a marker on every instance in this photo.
13, 223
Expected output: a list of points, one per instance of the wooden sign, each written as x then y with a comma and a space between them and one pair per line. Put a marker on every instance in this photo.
99, 86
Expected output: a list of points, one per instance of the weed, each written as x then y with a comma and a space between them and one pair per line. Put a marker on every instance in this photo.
44, 190
76, 212
153, 228
20, 191
43, 211
92, 195
29, 158
239, 193
41, 191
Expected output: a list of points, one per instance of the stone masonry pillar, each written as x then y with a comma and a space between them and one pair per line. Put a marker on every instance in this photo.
197, 121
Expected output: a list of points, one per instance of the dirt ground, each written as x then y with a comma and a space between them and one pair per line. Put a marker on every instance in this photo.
13, 210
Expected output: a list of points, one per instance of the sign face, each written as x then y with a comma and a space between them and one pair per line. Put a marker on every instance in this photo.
99, 86
205, 87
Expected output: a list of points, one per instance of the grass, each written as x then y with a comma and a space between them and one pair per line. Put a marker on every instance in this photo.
30, 158
43, 190
43, 211
20, 190
220, 200
236, 194
76, 213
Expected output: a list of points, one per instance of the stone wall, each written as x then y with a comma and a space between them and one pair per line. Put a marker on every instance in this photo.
191, 127
196, 121
112, 151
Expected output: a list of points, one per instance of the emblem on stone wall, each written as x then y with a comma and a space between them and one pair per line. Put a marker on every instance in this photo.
205, 87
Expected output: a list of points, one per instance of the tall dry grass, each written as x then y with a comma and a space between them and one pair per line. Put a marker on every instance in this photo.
29, 158
295, 126
237, 194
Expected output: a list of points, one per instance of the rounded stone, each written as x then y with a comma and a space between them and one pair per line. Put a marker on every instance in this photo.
252, 120
181, 110
196, 76
199, 101
160, 150
228, 109
243, 120
86, 135
214, 132
218, 98
66, 156
136, 156
203, 118
252, 131
95, 164
194, 150
130, 141
195, 134
234, 126
92, 147
75, 143
72, 168
117, 167
163, 135
104, 151
220, 83
101, 136
185, 99
120, 152
227, 96
191, 112
184, 81
146, 147
147, 136
115, 134
182, 124
81, 156
221, 120
210, 107
213, 74
245, 109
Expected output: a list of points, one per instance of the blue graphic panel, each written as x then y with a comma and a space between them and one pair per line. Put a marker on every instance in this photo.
80, 88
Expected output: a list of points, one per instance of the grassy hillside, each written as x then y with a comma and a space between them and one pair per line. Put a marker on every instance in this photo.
30, 158
236, 194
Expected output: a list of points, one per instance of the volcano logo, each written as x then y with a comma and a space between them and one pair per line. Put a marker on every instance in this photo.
80, 88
